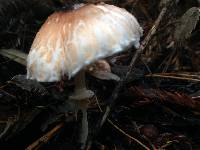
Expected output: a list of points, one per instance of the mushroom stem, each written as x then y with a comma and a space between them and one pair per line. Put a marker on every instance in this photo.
80, 82
80, 91
84, 129
81, 99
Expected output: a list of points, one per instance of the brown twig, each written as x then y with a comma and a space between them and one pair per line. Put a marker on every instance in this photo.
132, 64
138, 53
120, 130
44, 139
173, 77
127, 135
9, 124
156, 95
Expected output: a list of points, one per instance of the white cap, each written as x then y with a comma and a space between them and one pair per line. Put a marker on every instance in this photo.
70, 40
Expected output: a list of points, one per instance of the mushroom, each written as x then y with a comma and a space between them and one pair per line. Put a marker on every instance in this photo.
69, 41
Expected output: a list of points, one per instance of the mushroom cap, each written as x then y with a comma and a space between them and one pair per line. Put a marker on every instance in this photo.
70, 40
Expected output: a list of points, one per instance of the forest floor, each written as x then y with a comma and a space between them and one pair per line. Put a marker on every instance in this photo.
155, 105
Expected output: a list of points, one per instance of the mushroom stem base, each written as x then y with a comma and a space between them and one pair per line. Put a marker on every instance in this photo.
81, 101
81, 98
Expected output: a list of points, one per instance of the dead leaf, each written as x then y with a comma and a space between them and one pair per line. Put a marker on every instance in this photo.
186, 24
28, 85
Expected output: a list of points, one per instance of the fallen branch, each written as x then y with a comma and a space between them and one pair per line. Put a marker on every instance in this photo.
14, 55
156, 95
8, 126
44, 139
127, 135
138, 53
173, 76
145, 42
120, 130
